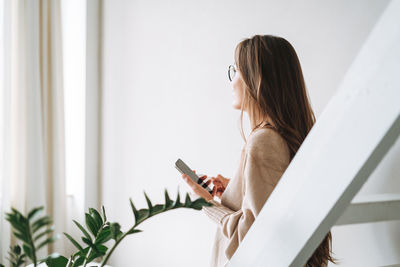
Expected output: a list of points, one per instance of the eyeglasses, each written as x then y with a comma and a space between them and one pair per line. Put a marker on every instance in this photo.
231, 71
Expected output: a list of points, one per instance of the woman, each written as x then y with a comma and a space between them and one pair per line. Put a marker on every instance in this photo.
268, 84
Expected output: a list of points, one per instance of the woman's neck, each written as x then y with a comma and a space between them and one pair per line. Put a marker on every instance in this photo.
261, 122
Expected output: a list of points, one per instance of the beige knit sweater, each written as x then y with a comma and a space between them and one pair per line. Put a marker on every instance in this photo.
263, 160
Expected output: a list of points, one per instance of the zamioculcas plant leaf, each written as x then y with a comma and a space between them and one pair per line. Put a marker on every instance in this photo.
56, 260
34, 232
143, 214
97, 232
16, 256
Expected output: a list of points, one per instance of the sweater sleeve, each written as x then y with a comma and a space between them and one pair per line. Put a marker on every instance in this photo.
265, 163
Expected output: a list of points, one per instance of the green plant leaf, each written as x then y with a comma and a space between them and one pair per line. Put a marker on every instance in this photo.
99, 251
83, 252
28, 251
82, 229
199, 203
29, 230
95, 251
47, 231
17, 221
104, 235
91, 224
135, 211
16, 212
79, 261
158, 209
104, 213
96, 217
47, 241
168, 201
70, 261
132, 231
17, 250
59, 261
115, 230
177, 203
148, 204
73, 241
143, 215
87, 241
22, 237
16, 258
188, 201
39, 223
34, 212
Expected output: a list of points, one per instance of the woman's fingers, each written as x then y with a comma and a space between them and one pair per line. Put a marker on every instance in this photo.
203, 179
221, 180
214, 192
196, 188
219, 193
216, 182
219, 184
191, 183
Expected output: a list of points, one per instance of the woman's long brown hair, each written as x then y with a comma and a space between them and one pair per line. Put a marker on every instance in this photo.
275, 88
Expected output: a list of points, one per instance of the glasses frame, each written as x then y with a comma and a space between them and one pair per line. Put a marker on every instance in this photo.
234, 69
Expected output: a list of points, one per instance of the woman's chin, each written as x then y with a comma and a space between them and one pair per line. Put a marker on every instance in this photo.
235, 105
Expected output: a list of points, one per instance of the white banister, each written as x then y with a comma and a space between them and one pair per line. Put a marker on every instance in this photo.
371, 208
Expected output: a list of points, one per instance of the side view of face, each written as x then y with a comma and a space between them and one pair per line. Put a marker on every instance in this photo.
238, 87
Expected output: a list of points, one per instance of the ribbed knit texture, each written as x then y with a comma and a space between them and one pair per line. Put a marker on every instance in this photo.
263, 160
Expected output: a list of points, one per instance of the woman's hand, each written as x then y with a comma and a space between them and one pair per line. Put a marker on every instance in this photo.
198, 189
220, 183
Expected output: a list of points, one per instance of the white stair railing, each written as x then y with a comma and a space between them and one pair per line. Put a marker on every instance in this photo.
371, 208
352, 135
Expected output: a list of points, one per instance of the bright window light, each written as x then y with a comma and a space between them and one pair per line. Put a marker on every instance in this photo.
2, 107
74, 67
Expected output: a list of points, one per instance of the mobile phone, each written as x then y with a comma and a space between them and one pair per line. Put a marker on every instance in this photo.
183, 168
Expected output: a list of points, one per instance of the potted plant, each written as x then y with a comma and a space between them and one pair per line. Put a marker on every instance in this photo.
34, 232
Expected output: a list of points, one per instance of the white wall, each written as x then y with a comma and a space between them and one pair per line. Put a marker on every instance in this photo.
167, 96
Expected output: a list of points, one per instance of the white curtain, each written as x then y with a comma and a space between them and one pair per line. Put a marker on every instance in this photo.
33, 160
